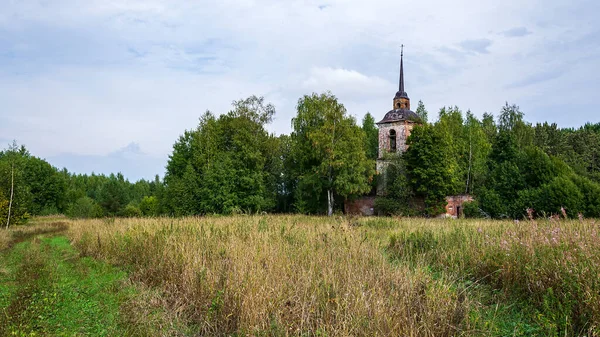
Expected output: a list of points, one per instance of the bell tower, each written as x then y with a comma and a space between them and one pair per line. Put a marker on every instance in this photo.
395, 128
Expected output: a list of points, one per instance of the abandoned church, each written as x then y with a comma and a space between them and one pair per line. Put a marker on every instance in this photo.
394, 130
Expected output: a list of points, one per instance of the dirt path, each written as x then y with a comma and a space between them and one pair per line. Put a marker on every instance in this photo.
47, 289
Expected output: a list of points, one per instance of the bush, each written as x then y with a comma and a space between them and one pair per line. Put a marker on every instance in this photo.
131, 211
84, 207
149, 206
471, 210
387, 206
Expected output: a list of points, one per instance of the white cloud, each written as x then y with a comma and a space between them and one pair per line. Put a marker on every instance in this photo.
88, 77
347, 84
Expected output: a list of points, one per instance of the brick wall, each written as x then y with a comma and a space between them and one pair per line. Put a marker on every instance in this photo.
403, 130
455, 203
360, 206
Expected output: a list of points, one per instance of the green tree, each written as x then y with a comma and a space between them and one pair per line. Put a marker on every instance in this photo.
329, 154
112, 195
396, 198
84, 207
227, 165
46, 185
149, 206
478, 148
430, 167
421, 111
13, 184
371, 136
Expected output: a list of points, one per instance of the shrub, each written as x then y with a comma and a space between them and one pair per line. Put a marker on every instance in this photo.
131, 211
84, 207
149, 206
387, 206
471, 210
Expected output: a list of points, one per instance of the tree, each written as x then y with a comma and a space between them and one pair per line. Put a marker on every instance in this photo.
397, 195
13, 184
511, 120
226, 165
329, 154
489, 127
421, 111
450, 127
12, 192
431, 167
46, 185
149, 206
478, 150
112, 195
371, 136
84, 207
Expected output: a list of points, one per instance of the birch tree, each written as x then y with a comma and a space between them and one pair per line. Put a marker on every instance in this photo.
329, 152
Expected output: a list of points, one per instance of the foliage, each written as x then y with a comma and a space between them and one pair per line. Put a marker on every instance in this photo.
231, 164
430, 167
131, 211
371, 136
471, 210
84, 207
397, 194
12, 168
226, 165
328, 149
421, 111
149, 206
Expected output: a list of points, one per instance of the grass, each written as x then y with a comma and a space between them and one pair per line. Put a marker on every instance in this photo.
46, 289
276, 275
310, 276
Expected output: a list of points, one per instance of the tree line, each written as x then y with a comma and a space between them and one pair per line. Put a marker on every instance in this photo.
231, 164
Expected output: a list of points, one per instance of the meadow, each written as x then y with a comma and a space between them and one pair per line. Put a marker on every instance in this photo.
278, 275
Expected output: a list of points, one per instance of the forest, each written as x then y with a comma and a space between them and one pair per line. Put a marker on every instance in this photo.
230, 164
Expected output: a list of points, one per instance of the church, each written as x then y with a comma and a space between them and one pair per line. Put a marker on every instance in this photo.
394, 130
396, 125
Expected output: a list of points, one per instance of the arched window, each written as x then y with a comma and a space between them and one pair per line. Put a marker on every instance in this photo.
392, 140
398, 105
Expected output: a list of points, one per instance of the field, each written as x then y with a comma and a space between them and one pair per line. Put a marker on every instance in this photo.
300, 276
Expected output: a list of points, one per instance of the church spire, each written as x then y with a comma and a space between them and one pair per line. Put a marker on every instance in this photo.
401, 86
401, 100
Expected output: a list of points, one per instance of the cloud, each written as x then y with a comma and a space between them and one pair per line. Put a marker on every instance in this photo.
84, 78
350, 84
478, 46
516, 32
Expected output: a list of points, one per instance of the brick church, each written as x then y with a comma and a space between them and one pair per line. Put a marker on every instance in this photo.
394, 130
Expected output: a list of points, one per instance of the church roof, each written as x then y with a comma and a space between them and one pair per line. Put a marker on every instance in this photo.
401, 92
398, 115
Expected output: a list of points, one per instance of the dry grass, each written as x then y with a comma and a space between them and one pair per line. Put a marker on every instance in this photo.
4, 239
317, 276
550, 267
276, 275
16, 234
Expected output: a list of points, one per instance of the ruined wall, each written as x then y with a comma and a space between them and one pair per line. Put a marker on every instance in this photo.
403, 130
455, 203
360, 206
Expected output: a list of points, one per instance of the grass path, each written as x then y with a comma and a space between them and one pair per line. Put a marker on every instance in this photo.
46, 289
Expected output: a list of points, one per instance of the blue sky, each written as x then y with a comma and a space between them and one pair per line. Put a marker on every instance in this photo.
109, 86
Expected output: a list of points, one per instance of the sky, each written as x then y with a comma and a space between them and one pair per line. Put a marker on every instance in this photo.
107, 86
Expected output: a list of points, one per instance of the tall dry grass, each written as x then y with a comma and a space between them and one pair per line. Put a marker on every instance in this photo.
277, 275
550, 267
